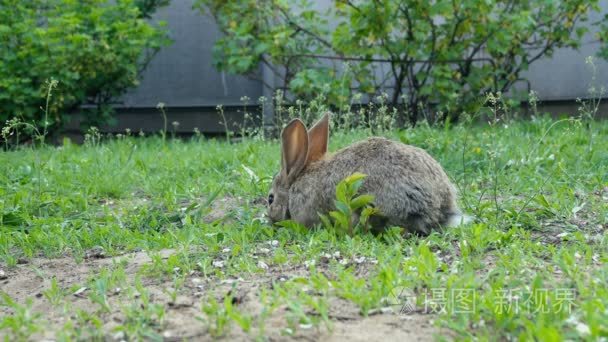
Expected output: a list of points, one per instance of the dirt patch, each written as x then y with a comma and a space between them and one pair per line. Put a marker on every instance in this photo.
183, 317
384, 328
222, 208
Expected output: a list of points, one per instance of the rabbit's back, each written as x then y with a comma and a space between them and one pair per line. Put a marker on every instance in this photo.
411, 189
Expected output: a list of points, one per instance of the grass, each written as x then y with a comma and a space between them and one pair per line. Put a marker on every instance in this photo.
532, 266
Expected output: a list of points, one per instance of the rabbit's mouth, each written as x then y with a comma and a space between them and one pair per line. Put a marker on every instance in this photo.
275, 216
287, 213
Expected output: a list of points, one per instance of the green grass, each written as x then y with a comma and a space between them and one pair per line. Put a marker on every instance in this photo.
538, 189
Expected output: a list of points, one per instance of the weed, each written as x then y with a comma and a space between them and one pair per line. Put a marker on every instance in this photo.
142, 317
353, 212
54, 294
22, 323
161, 107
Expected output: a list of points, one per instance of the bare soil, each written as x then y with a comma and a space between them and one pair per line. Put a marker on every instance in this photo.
182, 316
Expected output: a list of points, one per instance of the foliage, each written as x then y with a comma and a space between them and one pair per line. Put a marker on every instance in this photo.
352, 212
94, 49
219, 315
602, 35
438, 55
23, 322
148, 7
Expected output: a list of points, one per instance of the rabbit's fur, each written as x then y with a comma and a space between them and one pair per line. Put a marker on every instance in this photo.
411, 189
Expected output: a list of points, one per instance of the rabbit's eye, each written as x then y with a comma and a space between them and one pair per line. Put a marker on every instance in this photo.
270, 199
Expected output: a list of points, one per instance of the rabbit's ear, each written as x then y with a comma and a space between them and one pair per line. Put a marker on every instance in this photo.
294, 148
318, 136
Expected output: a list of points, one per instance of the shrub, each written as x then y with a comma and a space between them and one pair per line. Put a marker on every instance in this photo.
602, 35
95, 49
438, 55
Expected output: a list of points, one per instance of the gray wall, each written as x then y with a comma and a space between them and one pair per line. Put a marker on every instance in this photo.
182, 77
565, 76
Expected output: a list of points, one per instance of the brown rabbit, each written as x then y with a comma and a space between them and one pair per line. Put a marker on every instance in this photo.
411, 189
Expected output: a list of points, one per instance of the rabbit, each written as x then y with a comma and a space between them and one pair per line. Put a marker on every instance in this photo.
411, 189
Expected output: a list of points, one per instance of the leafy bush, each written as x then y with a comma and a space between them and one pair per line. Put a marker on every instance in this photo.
95, 49
438, 55
602, 35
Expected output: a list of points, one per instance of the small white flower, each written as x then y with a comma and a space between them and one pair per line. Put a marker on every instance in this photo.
386, 310
583, 329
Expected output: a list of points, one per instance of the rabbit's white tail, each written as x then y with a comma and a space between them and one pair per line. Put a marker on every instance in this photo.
458, 219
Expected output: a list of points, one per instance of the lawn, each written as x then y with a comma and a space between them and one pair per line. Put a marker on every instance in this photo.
143, 238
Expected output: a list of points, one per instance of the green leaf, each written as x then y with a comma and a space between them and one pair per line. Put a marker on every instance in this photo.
326, 222
292, 225
366, 213
354, 177
361, 201
342, 192
340, 218
13, 219
342, 207
542, 200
